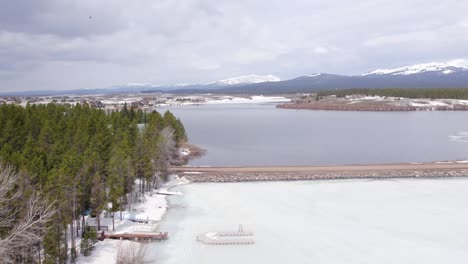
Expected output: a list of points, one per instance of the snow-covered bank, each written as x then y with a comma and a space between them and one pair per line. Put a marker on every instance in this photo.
152, 208
359, 102
224, 99
247, 100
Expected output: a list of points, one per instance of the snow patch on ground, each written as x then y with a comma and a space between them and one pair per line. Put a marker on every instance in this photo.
437, 103
169, 193
152, 208
105, 252
378, 98
420, 103
251, 100
462, 102
184, 151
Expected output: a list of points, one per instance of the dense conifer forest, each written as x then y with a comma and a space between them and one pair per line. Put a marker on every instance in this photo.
75, 160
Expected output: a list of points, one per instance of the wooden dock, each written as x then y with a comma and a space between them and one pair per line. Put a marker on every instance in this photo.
137, 236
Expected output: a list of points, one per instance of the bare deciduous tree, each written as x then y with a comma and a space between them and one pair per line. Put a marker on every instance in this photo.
167, 150
130, 253
168, 143
22, 226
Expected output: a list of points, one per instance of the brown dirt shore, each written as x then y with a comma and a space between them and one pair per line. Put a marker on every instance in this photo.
294, 173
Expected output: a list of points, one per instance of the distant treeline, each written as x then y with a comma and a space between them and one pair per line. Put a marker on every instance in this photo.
437, 93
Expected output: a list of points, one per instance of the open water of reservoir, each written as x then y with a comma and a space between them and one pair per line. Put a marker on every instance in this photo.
260, 134
344, 221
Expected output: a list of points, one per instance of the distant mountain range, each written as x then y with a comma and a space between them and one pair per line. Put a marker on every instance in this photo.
429, 75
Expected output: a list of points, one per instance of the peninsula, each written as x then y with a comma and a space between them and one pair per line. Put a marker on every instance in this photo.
382, 100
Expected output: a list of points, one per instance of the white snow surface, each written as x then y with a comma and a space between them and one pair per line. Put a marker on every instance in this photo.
184, 151
429, 103
462, 102
247, 79
344, 221
445, 68
250, 100
376, 98
314, 75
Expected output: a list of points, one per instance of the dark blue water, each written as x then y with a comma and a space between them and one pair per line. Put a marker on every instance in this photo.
260, 134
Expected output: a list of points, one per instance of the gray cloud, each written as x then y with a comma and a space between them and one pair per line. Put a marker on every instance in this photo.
54, 44
61, 18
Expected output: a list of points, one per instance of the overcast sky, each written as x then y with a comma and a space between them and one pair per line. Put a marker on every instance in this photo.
68, 44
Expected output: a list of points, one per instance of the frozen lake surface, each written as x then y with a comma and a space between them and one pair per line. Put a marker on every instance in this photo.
345, 221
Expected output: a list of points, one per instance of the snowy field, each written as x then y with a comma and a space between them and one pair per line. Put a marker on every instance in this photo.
346, 221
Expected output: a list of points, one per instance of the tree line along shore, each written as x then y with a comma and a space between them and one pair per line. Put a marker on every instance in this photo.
59, 163
433, 93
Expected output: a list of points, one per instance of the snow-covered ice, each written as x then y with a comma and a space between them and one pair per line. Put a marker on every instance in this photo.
346, 221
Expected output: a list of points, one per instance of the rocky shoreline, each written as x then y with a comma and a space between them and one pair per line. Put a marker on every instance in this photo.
249, 174
251, 177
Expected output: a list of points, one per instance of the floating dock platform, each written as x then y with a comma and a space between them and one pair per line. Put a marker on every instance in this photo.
227, 238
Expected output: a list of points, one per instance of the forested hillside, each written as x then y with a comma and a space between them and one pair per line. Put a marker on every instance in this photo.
79, 159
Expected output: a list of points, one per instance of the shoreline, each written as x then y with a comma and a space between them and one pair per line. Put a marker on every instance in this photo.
367, 108
154, 207
360, 103
298, 173
288, 179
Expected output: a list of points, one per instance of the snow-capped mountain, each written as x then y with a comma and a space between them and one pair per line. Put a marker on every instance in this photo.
443, 68
429, 75
246, 79
235, 81
314, 75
